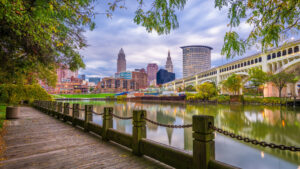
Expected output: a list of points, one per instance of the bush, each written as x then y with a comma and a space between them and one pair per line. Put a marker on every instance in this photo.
13, 94
122, 97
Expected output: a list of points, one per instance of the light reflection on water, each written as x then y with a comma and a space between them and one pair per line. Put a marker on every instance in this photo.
260, 122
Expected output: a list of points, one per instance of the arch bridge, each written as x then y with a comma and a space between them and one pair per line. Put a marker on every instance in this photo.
283, 58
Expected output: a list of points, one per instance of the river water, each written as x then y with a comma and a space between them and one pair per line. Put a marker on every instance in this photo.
268, 123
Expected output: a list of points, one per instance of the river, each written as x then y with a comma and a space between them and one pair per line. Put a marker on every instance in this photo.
268, 123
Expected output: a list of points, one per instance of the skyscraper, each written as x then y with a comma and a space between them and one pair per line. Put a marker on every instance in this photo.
164, 76
152, 69
169, 64
121, 64
196, 58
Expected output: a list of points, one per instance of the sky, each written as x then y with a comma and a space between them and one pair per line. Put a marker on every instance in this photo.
199, 24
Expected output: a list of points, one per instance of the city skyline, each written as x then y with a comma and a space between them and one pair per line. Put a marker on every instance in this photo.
142, 47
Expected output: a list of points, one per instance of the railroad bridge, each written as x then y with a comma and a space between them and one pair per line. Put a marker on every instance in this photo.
283, 58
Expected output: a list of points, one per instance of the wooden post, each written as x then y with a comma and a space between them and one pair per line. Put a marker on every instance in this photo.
87, 116
203, 143
66, 110
75, 113
138, 130
53, 108
59, 109
107, 122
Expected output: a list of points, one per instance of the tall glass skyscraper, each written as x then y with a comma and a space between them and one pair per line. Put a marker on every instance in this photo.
196, 58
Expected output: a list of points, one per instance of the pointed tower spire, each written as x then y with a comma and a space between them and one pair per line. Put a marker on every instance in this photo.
169, 64
121, 62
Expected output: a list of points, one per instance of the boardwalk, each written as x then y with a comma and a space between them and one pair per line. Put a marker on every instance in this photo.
37, 140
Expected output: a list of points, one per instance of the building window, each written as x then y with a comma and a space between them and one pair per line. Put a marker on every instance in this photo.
296, 49
232, 67
268, 57
259, 59
248, 62
235, 66
278, 54
245, 63
290, 51
124, 84
273, 55
283, 52
239, 65
117, 83
242, 64
256, 60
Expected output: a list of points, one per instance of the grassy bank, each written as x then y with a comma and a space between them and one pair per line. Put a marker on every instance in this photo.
2, 115
98, 95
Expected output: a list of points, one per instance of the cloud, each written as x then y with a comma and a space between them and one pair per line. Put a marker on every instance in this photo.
200, 24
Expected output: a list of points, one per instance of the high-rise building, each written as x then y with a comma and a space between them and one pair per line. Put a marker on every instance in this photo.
140, 77
152, 69
196, 59
164, 76
169, 64
121, 63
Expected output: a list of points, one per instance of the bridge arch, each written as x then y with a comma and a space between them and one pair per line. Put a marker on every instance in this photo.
289, 66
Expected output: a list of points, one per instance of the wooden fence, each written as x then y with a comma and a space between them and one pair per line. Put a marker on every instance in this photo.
203, 156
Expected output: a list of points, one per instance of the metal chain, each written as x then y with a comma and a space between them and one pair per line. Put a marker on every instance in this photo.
255, 142
97, 113
169, 125
119, 117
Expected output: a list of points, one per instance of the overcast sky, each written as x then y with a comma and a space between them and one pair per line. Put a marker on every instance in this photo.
199, 24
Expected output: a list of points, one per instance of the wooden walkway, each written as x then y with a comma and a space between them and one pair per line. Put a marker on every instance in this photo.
37, 140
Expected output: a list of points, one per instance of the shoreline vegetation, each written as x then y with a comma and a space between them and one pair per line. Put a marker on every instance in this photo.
76, 96
2, 115
220, 99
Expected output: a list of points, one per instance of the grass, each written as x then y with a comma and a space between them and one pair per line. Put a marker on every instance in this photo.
98, 95
2, 115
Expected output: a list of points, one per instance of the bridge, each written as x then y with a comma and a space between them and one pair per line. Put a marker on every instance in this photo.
283, 58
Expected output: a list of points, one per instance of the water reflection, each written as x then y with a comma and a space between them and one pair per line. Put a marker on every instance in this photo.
272, 124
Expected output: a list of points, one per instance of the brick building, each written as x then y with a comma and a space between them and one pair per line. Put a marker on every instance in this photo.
116, 85
141, 78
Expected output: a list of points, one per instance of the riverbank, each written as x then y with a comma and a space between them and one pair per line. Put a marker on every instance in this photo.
83, 96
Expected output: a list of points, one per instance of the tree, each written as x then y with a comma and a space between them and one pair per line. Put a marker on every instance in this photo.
233, 84
258, 77
281, 79
190, 88
271, 21
206, 90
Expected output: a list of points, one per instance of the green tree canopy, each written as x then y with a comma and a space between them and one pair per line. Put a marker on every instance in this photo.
233, 84
206, 90
270, 20
258, 77
281, 79
190, 88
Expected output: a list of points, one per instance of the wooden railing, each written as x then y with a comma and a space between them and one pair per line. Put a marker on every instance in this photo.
203, 156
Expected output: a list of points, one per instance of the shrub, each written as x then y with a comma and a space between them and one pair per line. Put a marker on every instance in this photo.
122, 97
13, 94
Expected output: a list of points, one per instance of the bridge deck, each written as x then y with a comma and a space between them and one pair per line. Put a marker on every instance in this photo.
37, 140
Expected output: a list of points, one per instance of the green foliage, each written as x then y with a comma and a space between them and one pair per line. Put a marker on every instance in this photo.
121, 97
2, 115
190, 88
266, 100
36, 35
220, 99
205, 91
257, 76
271, 21
13, 94
281, 79
233, 84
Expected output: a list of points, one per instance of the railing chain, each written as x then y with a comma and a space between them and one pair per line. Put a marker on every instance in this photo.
255, 142
169, 125
96, 113
119, 117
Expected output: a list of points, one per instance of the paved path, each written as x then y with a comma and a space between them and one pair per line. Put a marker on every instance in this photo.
37, 140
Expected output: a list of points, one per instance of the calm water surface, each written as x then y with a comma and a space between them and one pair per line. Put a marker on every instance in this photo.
268, 123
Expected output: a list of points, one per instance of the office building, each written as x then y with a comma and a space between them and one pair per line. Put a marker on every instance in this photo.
169, 64
196, 59
163, 76
121, 62
152, 69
